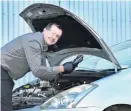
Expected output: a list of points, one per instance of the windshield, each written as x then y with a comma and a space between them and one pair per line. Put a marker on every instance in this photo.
121, 51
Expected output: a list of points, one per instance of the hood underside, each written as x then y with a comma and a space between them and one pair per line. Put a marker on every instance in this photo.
77, 36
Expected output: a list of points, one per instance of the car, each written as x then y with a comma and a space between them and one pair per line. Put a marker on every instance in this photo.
111, 93
100, 63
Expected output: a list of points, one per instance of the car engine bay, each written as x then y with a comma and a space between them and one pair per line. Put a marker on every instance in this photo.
38, 91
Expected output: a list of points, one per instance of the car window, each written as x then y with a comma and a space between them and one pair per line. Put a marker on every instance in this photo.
89, 62
124, 57
121, 51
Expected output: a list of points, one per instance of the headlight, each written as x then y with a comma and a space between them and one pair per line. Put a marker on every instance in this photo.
68, 98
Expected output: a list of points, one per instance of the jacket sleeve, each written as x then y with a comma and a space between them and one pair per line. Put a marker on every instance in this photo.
32, 50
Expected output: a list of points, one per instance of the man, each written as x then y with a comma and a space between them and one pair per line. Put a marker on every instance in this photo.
27, 53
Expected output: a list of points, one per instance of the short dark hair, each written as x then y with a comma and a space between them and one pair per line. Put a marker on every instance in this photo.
53, 23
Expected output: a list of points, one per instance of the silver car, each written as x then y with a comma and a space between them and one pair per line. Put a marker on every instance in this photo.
101, 82
111, 93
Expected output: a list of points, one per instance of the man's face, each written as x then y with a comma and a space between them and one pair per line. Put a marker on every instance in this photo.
52, 35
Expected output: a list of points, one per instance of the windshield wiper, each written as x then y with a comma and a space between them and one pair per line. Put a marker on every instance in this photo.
87, 70
113, 69
100, 70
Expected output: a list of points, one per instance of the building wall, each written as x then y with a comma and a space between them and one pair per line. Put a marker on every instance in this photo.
110, 19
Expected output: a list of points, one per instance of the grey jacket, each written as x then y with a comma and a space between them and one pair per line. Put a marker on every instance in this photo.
23, 54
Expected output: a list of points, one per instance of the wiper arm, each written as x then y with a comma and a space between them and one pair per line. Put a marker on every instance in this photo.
99, 70
88, 70
111, 69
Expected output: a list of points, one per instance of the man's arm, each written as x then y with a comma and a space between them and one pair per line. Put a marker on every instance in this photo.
32, 50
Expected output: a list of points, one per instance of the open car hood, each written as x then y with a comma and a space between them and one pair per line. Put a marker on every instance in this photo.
78, 37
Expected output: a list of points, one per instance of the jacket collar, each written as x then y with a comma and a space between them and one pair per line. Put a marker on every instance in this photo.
44, 44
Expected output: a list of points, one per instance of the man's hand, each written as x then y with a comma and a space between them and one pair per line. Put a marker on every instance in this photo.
68, 67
